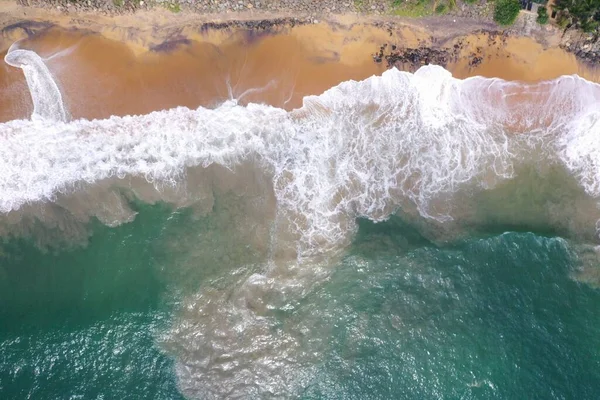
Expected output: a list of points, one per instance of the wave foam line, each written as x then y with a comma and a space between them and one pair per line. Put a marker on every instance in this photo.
361, 149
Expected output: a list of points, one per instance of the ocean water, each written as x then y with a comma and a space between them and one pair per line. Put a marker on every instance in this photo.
406, 236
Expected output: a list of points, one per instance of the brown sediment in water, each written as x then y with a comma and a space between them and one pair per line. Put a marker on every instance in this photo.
126, 70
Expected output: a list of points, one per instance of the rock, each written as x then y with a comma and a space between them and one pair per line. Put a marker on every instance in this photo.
249, 5
416, 57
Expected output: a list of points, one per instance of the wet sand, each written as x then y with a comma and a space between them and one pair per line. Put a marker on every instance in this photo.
100, 77
120, 71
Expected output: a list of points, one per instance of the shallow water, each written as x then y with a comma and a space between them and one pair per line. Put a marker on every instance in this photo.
403, 236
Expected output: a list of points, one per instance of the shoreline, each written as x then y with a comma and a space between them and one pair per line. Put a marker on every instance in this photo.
187, 59
159, 22
123, 18
155, 28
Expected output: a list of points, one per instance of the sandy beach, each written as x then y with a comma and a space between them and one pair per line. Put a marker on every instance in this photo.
153, 60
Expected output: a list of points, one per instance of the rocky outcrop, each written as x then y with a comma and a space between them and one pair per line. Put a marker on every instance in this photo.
411, 59
585, 46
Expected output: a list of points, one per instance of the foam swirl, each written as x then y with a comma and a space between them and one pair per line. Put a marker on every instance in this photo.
47, 99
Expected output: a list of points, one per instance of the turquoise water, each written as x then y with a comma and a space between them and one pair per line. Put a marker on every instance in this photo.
233, 252
81, 323
398, 317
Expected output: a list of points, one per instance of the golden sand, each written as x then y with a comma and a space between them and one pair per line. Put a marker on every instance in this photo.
159, 61
522, 59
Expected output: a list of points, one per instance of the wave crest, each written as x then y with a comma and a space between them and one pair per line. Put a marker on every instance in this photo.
361, 149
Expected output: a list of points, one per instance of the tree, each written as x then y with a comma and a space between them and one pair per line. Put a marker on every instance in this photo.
582, 14
506, 11
542, 17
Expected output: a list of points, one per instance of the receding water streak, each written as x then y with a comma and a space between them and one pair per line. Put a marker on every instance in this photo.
47, 100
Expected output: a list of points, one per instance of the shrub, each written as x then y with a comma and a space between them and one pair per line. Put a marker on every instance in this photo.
471, 1
563, 19
542, 17
506, 11
589, 26
440, 9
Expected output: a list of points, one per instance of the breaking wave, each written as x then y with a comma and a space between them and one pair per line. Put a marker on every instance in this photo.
426, 143
361, 149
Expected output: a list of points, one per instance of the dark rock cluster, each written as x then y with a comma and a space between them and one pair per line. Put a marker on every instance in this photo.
586, 48
255, 25
411, 59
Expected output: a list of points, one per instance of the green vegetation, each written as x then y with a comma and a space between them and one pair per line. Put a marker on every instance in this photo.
506, 11
173, 7
123, 3
582, 14
412, 8
542, 17
359, 4
562, 19
470, 1
421, 8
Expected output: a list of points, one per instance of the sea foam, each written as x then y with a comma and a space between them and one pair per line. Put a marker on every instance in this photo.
361, 149
47, 99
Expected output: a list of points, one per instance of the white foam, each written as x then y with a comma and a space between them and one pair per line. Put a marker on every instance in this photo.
579, 149
359, 149
47, 99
